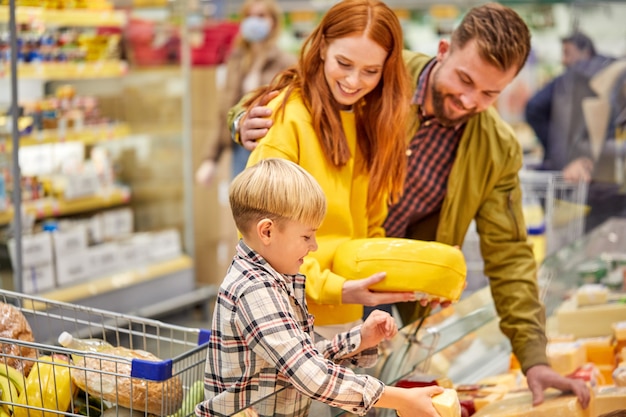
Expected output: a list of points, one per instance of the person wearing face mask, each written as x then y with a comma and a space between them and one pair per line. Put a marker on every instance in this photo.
463, 162
254, 60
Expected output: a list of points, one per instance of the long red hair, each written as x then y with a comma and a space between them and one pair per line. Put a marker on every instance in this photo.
381, 117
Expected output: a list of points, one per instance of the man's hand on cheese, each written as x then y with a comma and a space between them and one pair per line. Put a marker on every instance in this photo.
541, 377
356, 291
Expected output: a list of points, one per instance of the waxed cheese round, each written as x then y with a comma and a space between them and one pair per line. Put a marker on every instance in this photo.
433, 269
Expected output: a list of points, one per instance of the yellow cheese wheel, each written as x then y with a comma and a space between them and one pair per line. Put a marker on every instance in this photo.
433, 269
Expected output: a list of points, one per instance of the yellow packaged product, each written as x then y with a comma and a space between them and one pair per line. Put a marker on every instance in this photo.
433, 270
48, 386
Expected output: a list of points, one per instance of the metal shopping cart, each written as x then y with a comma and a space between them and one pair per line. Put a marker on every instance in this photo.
139, 385
562, 204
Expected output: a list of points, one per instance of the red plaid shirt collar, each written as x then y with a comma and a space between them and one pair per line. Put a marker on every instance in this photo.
430, 156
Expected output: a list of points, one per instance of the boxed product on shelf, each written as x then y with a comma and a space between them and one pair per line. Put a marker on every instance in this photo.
36, 249
166, 244
116, 223
77, 185
135, 249
103, 259
70, 240
37, 278
72, 268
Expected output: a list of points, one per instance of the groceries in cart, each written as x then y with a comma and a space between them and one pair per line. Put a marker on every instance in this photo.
433, 270
90, 376
110, 379
13, 325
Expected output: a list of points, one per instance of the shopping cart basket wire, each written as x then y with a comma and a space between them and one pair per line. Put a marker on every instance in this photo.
181, 351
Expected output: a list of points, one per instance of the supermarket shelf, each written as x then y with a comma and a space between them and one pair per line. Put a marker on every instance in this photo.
66, 17
51, 207
90, 135
123, 292
119, 281
69, 70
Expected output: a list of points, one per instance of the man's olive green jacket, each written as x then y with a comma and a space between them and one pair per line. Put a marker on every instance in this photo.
484, 186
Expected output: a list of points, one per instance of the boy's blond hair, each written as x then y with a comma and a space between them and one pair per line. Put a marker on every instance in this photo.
279, 190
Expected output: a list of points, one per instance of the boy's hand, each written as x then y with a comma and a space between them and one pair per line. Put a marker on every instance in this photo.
378, 326
411, 402
419, 402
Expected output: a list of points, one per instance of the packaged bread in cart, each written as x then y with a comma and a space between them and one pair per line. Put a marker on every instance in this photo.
105, 371
13, 325
432, 270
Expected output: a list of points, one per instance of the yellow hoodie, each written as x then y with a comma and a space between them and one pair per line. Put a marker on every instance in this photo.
348, 216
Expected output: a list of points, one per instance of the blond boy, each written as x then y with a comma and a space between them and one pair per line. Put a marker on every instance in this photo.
262, 350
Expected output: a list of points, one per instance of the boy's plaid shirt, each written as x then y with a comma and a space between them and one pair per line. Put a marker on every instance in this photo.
261, 350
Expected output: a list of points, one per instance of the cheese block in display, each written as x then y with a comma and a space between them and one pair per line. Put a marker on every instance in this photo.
433, 270
592, 294
565, 358
589, 321
607, 399
599, 350
554, 405
447, 403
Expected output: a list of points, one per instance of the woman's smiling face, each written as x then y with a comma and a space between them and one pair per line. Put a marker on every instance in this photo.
353, 66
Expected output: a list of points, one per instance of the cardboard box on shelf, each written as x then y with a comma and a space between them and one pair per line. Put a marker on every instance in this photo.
103, 259
117, 223
134, 251
36, 250
70, 241
165, 245
72, 267
37, 278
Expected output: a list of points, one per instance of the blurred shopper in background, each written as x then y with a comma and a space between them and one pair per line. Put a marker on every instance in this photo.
560, 118
255, 59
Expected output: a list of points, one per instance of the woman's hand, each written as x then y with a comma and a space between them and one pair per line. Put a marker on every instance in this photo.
356, 291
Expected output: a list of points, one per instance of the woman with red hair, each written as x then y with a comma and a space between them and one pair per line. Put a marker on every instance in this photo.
341, 114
